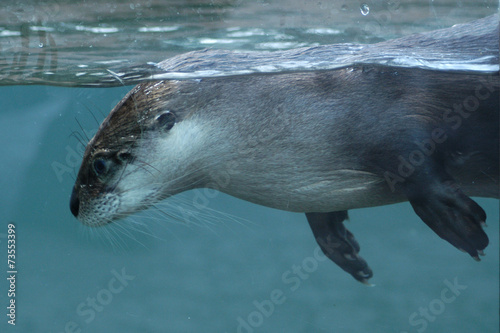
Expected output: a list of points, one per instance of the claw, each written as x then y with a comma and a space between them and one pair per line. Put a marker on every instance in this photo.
349, 256
363, 274
367, 283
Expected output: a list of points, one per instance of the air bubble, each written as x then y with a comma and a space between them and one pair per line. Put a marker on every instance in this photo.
365, 10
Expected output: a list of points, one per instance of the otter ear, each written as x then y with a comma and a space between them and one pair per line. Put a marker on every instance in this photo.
165, 121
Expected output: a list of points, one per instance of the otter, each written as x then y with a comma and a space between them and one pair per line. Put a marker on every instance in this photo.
319, 142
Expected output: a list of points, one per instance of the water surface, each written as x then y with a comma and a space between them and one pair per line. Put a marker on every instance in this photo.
214, 263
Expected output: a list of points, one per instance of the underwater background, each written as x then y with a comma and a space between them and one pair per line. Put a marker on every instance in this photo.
204, 261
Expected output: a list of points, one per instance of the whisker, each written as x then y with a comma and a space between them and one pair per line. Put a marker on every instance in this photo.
95, 118
127, 230
81, 128
79, 137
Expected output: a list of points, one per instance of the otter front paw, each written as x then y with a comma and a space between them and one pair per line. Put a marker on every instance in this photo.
339, 244
453, 216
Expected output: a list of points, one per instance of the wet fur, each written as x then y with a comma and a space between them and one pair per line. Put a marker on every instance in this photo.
318, 142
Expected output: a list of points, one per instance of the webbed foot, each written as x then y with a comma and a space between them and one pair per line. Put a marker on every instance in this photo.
452, 215
338, 243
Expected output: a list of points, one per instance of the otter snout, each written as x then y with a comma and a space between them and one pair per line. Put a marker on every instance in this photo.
74, 203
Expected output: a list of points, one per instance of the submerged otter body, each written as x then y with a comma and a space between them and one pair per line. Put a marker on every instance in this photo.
318, 142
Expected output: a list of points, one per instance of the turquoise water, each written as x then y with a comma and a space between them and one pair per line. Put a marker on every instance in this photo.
215, 263
203, 273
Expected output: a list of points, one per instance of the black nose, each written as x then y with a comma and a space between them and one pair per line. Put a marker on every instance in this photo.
74, 203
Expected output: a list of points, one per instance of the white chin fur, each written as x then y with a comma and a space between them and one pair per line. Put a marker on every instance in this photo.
161, 160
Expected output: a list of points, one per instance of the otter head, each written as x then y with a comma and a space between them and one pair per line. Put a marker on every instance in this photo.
123, 168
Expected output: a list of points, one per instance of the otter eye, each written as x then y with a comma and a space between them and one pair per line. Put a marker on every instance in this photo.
100, 166
165, 120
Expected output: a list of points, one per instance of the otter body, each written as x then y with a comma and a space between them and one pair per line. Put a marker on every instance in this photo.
319, 142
